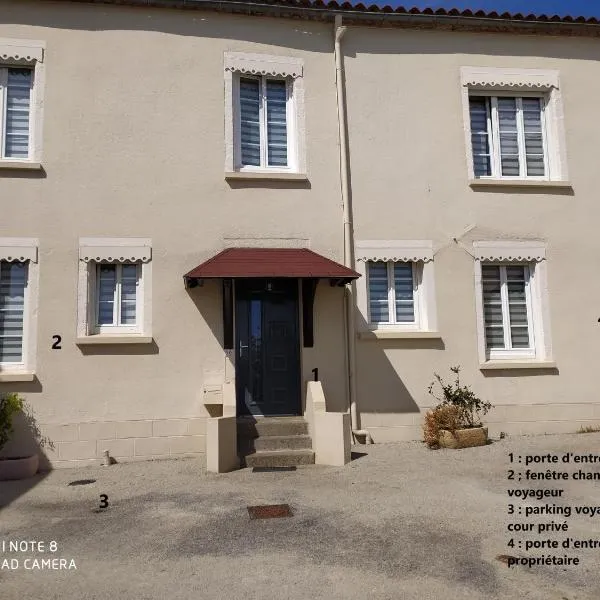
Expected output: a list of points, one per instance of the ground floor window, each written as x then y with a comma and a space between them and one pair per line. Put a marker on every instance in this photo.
13, 283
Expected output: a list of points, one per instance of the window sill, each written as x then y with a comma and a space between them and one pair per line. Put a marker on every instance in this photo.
20, 164
398, 334
535, 183
266, 175
7, 377
113, 339
495, 365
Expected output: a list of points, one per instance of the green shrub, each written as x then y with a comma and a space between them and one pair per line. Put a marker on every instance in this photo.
10, 405
469, 406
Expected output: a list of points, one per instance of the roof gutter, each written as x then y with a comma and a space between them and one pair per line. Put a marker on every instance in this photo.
427, 19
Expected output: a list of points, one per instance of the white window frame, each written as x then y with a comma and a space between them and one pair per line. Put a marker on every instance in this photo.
95, 251
497, 82
493, 131
264, 66
507, 253
24, 250
416, 269
24, 54
420, 254
116, 328
508, 351
290, 125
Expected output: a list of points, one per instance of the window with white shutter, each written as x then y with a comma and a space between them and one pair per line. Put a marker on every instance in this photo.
264, 131
117, 297
392, 293
507, 310
508, 137
16, 84
13, 282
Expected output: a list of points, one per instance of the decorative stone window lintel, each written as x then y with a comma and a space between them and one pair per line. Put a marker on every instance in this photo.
509, 251
409, 251
263, 64
21, 51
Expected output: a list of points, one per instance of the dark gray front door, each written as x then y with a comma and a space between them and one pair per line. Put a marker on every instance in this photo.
267, 347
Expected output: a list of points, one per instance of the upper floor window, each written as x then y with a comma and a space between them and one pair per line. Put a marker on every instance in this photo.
514, 126
264, 116
264, 131
508, 136
15, 111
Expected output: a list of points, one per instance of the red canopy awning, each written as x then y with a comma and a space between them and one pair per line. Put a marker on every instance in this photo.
271, 262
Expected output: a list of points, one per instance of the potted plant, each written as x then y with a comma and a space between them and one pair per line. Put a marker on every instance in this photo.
456, 421
18, 467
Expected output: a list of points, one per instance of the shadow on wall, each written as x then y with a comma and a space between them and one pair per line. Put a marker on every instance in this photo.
26, 440
380, 389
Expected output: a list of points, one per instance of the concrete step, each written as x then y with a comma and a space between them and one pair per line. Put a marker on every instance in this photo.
280, 458
248, 445
271, 426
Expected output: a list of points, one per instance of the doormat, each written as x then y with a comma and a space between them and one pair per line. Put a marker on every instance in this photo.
83, 482
271, 469
270, 511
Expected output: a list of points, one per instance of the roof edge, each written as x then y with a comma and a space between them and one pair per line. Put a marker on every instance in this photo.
359, 14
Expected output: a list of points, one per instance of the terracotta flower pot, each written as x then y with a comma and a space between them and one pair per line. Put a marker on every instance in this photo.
463, 438
19, 468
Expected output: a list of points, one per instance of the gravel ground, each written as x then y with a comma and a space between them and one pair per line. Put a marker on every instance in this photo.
400, 521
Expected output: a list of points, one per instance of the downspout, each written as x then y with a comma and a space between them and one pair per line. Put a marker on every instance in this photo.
348, 239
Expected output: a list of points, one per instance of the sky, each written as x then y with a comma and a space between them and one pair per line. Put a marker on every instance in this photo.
585, 8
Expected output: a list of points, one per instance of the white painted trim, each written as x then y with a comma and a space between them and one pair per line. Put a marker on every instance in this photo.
236, 63
125, 249
19, 249
507, 182
15, 52
389, 250
16, 376
498, 365
101, 339
263, 64
21, 51
382, 334
492, 81
420, 252
506, 251
497, 78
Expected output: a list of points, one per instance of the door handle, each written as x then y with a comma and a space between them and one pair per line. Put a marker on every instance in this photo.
241, 348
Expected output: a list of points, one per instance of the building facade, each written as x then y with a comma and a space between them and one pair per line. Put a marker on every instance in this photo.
201, 205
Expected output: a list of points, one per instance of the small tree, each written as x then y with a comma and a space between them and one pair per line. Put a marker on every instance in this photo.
10, 405
469, 406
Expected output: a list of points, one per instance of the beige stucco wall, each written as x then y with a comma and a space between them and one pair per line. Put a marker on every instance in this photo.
410, 181
134, 147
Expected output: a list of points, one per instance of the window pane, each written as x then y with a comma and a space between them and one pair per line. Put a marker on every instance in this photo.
13, 278
378, 292
107, 285
403, 289
492, 306
277, 122
517, 306
509, 144
478, 108
129, 278
534, 140
250, 121
18, 97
